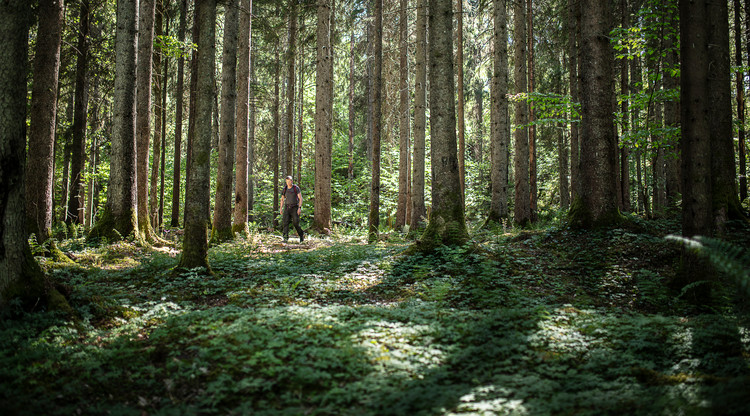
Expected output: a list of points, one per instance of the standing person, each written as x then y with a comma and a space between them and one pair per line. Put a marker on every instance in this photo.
291, 207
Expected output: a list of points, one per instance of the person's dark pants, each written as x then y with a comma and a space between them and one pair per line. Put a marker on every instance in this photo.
290, 212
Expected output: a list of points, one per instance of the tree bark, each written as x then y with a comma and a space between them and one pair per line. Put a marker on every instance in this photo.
78, 146
39, 170
596, 202
500, 126
239, 224
222, 223
275, 133
447, 224
574, 26
120, 218
323, 117
287, 130
522, 202
532, 127
147, 10
195, 245
418, 210
176, 174
403, 125
377, 76
726, 203
460, 91
350, 170
160, 84
624, 188
251, 142
192, 107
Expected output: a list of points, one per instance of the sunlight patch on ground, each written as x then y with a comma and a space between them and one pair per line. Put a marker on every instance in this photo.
489, 401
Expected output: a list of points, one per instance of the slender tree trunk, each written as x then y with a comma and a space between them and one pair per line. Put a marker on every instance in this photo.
176, 174
596, 203
66, 175
418, 210
195, 245
532, 127
239, 224
447, 224
160, 217
222, 223
159, 86
350, 170
275, 133
323, 117
522, 207
460, 90
120, 217
574, 18
726, 203
90, 202
191, 108
39, 169
20, 275
672, 113
377, 76
143, 116
287, 130
78, 150
500, 125
742, 143
300, 121
403, 160
624, 188
251, 140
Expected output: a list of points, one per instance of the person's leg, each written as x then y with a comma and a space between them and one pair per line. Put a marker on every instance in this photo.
295, 221
285, 224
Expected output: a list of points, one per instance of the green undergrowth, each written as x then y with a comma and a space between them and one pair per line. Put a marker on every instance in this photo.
540, 322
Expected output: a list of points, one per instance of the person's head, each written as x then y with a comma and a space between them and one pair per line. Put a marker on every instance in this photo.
289, 181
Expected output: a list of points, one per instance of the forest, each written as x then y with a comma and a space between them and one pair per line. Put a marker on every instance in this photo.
405, 207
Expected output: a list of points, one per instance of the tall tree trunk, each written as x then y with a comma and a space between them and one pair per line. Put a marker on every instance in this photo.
418, 210
574, 27
78, 149
742, 143
39, 168
300, 117
222, 224
66, 175
239, 223
20, 275
176, 174
275, 132
726, 203
120, 217
323, 117
403, 125
461, 103
287, 130
447, 224
697, 135
251, 141
562, 155
143, 112
672, 112
160, 216
596, 202
624, 188
195, 245
377, 76
500, 126
522, 207
160, 85
350, 170
192, 108
532, 127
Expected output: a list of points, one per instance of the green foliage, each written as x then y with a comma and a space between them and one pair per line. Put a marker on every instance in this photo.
725, 256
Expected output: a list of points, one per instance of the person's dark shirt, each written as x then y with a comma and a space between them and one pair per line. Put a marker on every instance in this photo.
290, 195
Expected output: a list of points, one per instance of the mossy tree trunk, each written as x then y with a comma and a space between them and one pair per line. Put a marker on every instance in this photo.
323, 117
447, 224
119, 218
418, 210
195, 245
39, 170
20, 275
500, 130
373, 222
239, 220
403, 124
522, 203
596, 201
146, 17
222, 222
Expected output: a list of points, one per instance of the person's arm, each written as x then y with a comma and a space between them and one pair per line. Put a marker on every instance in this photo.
281, 206
299, 203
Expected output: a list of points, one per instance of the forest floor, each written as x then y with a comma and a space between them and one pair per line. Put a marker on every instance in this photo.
537, 322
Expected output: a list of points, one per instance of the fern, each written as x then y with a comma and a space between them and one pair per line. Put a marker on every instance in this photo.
725, 256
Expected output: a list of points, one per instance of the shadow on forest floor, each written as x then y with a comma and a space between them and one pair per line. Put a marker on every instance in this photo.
541, 322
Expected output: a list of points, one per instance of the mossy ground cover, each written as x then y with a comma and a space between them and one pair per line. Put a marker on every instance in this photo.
544, 322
